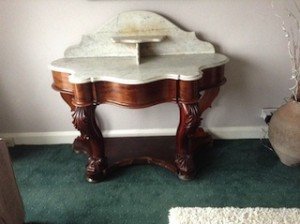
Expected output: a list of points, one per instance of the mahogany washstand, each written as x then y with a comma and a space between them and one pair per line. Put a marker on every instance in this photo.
111, 67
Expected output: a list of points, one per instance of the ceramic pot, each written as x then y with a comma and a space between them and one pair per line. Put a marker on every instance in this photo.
284, 133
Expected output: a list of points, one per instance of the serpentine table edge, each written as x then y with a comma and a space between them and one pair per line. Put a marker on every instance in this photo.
192, 97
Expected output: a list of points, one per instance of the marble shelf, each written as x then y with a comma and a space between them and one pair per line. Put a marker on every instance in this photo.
137, 39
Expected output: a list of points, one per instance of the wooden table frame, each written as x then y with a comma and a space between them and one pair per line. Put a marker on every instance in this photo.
192, 97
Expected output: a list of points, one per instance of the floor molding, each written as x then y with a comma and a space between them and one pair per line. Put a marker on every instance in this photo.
65, 137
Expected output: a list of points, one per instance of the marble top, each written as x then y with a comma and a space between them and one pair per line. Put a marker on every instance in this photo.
165, 52
124, 70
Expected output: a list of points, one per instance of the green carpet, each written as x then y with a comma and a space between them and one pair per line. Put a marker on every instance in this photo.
241, 173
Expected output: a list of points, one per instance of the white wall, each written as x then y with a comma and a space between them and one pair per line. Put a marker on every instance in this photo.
35, 32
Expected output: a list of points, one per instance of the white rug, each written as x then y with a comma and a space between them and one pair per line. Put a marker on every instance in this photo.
230, 215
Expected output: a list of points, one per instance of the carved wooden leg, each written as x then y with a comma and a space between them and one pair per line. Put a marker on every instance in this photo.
189, 122
207, 98
80, 144
205, 102
68, 99
84, 121
190, 135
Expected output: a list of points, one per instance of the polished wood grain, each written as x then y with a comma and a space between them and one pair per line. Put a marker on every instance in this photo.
61, 82
67, 97
139, 96
193, 98
189, 91
136, 96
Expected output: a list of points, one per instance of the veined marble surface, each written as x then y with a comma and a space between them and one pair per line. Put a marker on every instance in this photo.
179, 55
124, 70
138, 23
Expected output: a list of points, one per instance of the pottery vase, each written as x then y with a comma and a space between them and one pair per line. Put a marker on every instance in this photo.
284, 133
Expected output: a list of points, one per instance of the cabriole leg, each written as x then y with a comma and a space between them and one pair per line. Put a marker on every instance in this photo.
80, 144
189, 131
189, 122
85, 122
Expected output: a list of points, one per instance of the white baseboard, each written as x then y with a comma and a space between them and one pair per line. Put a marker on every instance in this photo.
66, 137
256, 132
